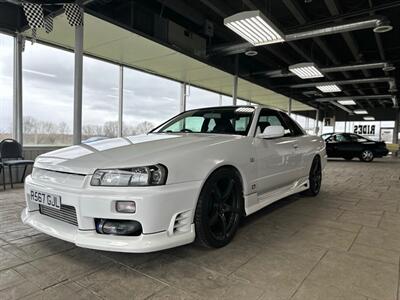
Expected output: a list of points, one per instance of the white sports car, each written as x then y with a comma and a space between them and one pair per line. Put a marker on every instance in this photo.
192, 177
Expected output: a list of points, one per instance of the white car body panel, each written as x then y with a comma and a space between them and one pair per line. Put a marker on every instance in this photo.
271, 169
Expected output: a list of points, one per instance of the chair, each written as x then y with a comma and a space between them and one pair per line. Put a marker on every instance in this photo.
11, 155
4, 177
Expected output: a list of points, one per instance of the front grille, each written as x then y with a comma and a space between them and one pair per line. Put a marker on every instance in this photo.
66, 213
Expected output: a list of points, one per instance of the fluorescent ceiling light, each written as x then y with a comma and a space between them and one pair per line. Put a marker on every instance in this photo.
306, 70
347, 102
360, 112
254, 27
328, 88
368, 118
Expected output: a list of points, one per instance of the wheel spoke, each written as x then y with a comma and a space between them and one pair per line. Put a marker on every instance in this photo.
223, 222
213, 219
228, 190
217, 193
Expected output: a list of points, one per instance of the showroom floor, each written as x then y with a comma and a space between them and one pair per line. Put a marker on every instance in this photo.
344, 244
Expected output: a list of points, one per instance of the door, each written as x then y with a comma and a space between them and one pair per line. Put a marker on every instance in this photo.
343, 145
276, 158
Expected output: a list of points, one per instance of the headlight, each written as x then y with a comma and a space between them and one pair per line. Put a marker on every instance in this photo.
138, 176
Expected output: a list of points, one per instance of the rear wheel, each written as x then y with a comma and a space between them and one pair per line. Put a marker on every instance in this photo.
315, 178
219, 209
367, 155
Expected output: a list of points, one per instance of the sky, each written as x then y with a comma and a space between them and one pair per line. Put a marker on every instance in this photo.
48, 89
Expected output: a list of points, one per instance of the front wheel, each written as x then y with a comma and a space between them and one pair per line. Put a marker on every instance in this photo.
315, 178
367, 156
219, 209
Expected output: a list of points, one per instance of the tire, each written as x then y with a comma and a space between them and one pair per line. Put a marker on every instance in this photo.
367, 156
348, 157
315, 178
219, 208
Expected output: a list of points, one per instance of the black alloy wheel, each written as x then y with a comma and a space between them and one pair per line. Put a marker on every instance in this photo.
315, 178
219, 208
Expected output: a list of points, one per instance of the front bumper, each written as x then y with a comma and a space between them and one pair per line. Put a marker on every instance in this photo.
158, 210
91, 239
381, 152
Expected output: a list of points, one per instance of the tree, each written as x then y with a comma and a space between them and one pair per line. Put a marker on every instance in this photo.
144, 127
110, 128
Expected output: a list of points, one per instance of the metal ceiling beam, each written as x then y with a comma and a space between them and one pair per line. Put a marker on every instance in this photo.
350, 41
299, 15
345, 68
349, 111
344, 82
371, 97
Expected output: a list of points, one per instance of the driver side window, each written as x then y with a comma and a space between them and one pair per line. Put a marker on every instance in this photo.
271, 118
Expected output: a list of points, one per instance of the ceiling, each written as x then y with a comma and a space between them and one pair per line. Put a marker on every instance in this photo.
144, 34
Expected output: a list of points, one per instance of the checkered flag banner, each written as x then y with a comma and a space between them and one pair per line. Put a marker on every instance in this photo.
34, 14
48, 23
35, 17
74, 14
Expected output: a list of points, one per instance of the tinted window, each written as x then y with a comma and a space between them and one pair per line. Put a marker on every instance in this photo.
358, 138
270, 117
342, 138
294, 128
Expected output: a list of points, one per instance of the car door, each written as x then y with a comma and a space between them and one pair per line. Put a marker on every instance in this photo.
303, 147
344, 145
338, 145
276, 158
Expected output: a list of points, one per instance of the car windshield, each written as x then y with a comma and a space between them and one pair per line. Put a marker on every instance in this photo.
215, 120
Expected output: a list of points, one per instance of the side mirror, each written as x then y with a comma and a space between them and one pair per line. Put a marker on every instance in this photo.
271, 132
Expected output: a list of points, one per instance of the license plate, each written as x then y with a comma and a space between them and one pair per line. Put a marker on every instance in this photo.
46, 199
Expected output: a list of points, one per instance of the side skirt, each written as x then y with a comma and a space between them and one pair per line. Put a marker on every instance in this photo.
273, 196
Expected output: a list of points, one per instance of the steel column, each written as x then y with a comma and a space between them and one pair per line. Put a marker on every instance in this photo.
396, 127
183, 97
78, 77
290, 107
235, 81
316, 126
121, 101
17, 130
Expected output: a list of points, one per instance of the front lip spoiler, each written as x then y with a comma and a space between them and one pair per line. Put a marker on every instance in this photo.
91, 239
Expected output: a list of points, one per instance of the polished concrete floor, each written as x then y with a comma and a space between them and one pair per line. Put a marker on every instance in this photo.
343, 244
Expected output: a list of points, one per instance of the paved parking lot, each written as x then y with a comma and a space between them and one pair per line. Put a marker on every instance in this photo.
343, 244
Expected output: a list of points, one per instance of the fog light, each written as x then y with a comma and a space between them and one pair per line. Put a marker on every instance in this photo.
118, 227
125, 206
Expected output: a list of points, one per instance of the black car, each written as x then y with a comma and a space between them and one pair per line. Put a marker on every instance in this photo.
350, 145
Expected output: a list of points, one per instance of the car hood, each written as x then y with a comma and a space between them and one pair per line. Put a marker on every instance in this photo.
126, 152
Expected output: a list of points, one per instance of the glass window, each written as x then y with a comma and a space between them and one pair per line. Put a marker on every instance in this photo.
270, 117
294, 127
217, 120
226, 100
198, 98
47, 95
241, 102
149, 100
341, 138
100, 99
6, 85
